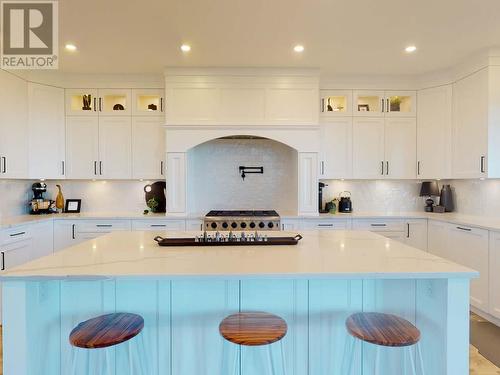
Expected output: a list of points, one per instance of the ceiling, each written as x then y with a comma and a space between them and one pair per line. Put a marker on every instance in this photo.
340, 37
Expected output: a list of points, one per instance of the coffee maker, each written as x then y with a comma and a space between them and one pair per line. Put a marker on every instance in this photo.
40, 205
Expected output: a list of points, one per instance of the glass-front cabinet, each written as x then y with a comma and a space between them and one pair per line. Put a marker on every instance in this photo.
82, 102
115, 102
148, 102
400, 103
368, 103
336, 103
384, 103
88, 102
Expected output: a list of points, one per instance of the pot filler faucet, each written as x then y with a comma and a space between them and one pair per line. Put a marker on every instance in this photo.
247, 170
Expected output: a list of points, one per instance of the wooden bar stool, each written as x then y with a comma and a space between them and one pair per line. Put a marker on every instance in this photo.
384, 330
255, 329
104, 332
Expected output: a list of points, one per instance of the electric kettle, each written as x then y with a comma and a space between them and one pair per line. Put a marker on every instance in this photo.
345, 203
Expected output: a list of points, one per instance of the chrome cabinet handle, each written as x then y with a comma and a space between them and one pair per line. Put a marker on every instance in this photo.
73, 231
387, 171
388, 108
63, 168
466, 229
158, 225
322, 168
100, 168
161, 104
407, 230
3, 261
325, 225
95, 167
418, 168
382, 164
3, 164
378, 225
95, 105
104, 225
482, 164
161, 167
100, 104
383, 110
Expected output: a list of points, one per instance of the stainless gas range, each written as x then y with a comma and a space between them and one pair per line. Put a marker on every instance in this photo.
242, 220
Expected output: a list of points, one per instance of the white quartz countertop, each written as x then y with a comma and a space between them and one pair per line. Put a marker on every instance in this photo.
320, 254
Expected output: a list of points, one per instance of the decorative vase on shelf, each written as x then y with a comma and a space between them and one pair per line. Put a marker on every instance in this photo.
446, 198
59, 199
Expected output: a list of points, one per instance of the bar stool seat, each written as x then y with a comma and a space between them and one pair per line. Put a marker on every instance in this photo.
106, 330
253, 328
382, 329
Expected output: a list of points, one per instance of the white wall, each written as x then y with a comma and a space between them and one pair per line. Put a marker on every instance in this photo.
214, 181
378, 195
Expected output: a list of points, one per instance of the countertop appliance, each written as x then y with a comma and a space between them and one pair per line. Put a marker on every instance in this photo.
345, 203
242, 220
39, 205
321, 186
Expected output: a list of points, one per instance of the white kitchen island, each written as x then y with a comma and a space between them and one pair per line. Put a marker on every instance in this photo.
184, 292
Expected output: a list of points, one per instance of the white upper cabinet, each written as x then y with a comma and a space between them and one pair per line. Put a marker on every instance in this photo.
115, 102
148, 148
46, 132
400, 148
434, 132
82, 102
148, 102
384, 103
13, 126
241, 97
400, 104
335, 103
336, 148
115, 147
104, 102
82, 147
368, 103
368, 148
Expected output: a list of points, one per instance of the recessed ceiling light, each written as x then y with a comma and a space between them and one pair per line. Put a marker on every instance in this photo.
185, 48
410, 49
70, 47
298, 48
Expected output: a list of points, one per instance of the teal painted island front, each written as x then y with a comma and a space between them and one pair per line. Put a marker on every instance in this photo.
184, 293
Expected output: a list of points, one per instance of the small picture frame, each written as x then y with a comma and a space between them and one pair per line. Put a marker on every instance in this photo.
363, 108
73, 206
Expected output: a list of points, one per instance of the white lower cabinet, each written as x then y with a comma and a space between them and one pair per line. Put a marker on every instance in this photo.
290, 224
495, 274
437, 238
64, 234
159, 225
416, 233
43, 239
194, 224
469, 247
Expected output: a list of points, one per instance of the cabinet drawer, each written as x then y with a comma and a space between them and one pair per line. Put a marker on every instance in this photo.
159, 225
104, 226
16, 234
15, 254
325, 224
379, 225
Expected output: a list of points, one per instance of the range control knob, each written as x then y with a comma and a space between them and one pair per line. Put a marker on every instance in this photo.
261, 225
252, 225
213, 225
225, 225
234, 225
243, 225
270, 225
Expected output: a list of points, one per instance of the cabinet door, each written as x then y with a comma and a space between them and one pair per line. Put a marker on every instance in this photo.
434, 132
16, 253
336, 103
494, 274
43, 239
289, 224
469, 247
400, 148
115, 148
81, 102
437, 239
148, 148
46, 132
148, 102
325, 224
336, 149
13, 126
161, 225
400, 104
82, 145
416, 233
64, 234
292, 105
470, 125
368, 103
115, 102
368, 148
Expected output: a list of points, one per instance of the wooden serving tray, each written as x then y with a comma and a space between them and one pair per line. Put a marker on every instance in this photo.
192, 242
